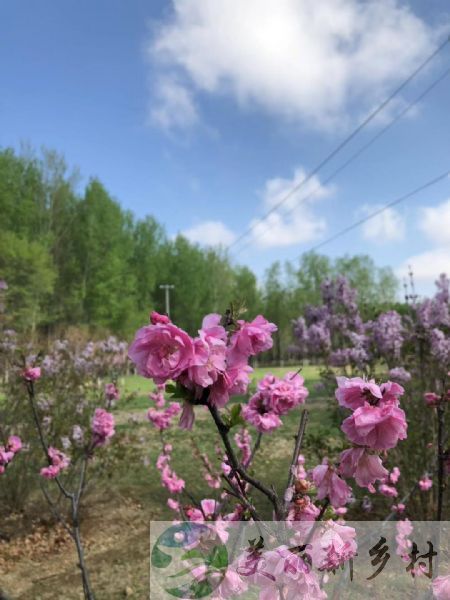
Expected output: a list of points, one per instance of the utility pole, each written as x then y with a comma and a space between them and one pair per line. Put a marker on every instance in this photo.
166, 287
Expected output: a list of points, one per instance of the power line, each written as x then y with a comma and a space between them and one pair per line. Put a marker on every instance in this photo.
362, 149
342, 232
344, 142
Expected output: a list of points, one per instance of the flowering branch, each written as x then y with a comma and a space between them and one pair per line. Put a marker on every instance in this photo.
237, 467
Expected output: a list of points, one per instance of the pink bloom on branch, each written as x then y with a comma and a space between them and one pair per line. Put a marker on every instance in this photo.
102, 426
425, 484
156, 318
353, 393
394, 475
399, 508
257, 413
365, 467
388, 490
58, 462
32, 373
162, 419
441, 588
333, 545
251, 338
330, 485
431, 399
111, 392
391, 392
14, 444
171, 481
378, 427
161, 352
208, 360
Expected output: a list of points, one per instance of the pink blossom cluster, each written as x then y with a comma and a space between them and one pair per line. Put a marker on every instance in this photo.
162, 418
332, 545
376, 424
112, 394
425, 484
58, 462
32, 373
8, 451
274, 398
169, 478
215, 361
102, 425
330, 485
279, 569
404, 544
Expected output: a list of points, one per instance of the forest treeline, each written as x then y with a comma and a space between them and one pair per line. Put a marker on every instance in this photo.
75, 257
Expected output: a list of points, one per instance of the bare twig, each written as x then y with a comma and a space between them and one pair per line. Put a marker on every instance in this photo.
297, 448
238, 468
440, 459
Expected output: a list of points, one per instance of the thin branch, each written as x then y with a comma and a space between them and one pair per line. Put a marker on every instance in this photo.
234, 463
56, 512
440, 459
297, 448
254, 450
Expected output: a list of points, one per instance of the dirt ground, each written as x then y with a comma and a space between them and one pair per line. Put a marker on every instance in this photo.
41, 565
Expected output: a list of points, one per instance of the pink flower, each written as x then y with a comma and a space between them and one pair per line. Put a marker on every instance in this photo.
365, 467
425, 483
173, 504
251, 338
102, 426
387, 490
14, 444
171, 481
378, 427
211, 327
58, 462
441, 588
394, 475
111, 392
161, 351
257, 413
32, 373
208, 360
207, 511
282, 395
50, 472
391, 392
303, 510
156, 318
431, 399
333, 545
353, 393
330, 485
399, 508
162, 419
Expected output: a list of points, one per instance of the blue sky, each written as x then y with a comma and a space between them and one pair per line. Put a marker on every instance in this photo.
205, 113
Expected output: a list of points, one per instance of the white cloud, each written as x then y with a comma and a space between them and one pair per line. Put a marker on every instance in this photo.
427, 266
435, 223
318, 62
173, 106
387, 226
295, 221
210, 233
